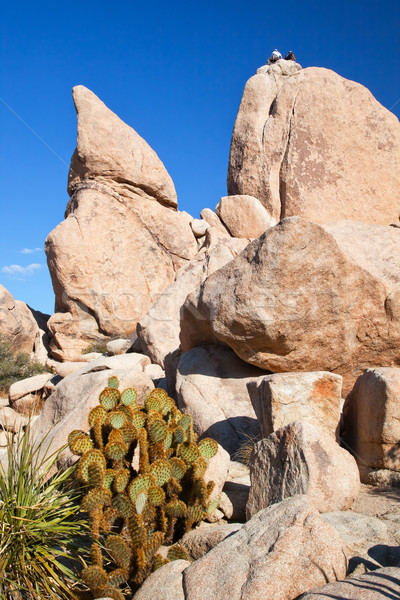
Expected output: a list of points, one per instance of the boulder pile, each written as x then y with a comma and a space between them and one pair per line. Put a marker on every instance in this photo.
274, 321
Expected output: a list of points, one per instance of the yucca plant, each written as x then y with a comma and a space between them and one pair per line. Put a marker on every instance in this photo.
39, 527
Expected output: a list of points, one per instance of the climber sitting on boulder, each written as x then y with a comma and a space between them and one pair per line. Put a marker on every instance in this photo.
276, 55
290, 56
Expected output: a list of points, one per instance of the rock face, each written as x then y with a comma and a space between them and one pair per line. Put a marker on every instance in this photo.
302, 459
211, 385
122, 241
283, 551
282, 398
165, 583
298, 299
158, 331
311, 143
17, 323
244, 216
378, 585
372, 422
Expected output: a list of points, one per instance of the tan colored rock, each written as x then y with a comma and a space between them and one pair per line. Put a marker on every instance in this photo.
244, 216
302, 459
122, 218
28, 405
199, 227
201, 540
119, 346
213, 220
321, 174
12, 421
17, 323
28, 385
211, 385
294, 300
377, 585
366, 537
372, 422
165, 583
282, 398
217, 471
281, 552
108, 148
66, 368
159, 330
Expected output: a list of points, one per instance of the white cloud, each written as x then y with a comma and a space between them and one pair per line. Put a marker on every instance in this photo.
18, 270
30, 250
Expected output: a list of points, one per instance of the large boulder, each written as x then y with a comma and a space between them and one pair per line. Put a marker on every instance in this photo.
302, 459
122, 241
372, 424
311, 143
211, 385
17, 323
281, 552
306, 297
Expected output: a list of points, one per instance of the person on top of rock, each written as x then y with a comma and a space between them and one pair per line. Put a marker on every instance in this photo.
290, 56
276, 55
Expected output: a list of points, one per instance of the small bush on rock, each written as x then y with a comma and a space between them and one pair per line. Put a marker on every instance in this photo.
145, 476
39, 525
13, 369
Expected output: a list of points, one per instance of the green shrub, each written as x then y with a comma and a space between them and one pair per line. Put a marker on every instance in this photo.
145, 476
39, 525
13, 369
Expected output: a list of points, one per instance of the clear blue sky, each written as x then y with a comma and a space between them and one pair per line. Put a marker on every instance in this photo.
175, 72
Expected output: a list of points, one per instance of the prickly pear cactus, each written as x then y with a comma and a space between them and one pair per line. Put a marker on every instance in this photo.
133, 512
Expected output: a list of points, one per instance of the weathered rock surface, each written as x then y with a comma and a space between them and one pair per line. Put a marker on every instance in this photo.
302, 459
211, 385
280, 553
17, 323
217, 471
122, 218
297, 299
366, 537
119, 346
282, 398
30, 384
165, 583
372, 422
213, 220
201, 540
159, 330
12, 421
301, 148
378, 585
244, 216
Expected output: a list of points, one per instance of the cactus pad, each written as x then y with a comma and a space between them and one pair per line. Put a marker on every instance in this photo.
121, 480
80, 443
161, 471
116, 450
95, 497
93, 456
129, 397
109, 398
97, 413
180, 435
158, 431
178, 467
188, 452
113, 382
119, 550
116, 419
185, 422
156, 496
176, 508
139, 484
94, 576
208, 447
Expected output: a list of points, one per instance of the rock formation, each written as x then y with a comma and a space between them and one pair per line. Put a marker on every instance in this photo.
122, 241
305, 297
311, 143
18, 324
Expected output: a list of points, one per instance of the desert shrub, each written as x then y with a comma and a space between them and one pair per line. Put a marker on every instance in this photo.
13, 369
39, 525
145, 475
243, 453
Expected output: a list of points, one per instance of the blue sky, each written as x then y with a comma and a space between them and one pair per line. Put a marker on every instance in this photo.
175, 72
